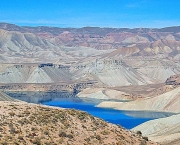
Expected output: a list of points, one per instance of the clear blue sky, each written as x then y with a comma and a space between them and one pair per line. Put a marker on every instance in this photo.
102, 13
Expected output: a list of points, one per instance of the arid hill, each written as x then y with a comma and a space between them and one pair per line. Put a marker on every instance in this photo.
105, 94
23, 123
163, 130
166, 102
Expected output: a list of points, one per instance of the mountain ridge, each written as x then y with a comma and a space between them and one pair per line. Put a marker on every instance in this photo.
10, 26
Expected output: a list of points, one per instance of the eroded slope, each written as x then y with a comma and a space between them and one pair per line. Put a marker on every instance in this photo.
163, 130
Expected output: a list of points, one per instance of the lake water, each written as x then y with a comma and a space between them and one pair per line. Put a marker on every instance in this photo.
127, 119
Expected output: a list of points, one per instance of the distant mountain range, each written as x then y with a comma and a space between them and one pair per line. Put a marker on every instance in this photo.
111, 56
103, 38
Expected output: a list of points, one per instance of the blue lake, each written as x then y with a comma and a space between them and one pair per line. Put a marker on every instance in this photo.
110, 115
127, 119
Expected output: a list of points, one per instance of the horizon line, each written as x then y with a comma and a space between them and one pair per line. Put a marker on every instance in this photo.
51, 26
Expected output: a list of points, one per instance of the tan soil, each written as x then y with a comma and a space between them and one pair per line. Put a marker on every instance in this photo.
24, 123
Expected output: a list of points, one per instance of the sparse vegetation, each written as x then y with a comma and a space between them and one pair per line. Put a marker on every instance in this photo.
11, 113
35, 124
145, 138
139, 133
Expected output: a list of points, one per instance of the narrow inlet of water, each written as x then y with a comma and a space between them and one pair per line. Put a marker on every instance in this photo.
127, 119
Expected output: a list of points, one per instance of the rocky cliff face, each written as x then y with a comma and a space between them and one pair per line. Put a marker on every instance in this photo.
100, 72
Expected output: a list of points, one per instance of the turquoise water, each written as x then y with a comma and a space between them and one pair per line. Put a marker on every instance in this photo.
110, 115
127, 119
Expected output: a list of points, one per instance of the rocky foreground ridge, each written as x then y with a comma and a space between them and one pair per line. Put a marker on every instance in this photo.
23, 123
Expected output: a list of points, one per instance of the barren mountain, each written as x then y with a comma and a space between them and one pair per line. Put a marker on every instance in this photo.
111, 56
102, 38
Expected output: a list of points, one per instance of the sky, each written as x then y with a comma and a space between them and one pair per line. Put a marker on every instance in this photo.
96, 13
